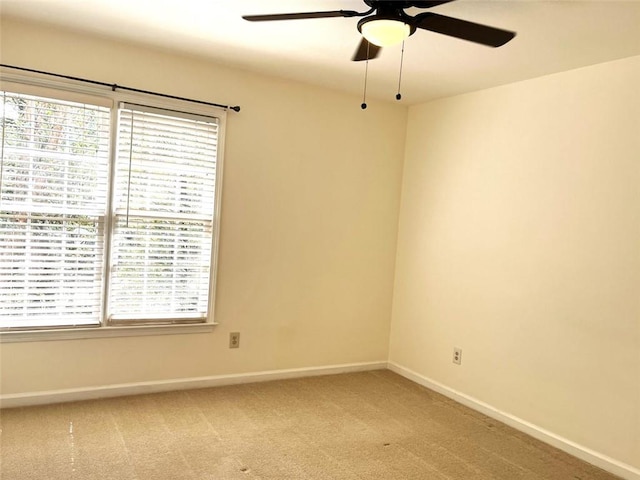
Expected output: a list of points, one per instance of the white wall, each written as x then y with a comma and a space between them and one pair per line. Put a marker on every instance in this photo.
519, 242
309, 221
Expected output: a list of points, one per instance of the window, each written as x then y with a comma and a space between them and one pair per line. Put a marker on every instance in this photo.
164, 198
108, 214
53, 176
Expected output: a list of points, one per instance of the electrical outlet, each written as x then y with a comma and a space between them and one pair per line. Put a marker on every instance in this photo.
457, 356
234, 340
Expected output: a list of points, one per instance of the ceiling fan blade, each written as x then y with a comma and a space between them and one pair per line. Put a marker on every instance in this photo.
366, 51
300, 16
454, 27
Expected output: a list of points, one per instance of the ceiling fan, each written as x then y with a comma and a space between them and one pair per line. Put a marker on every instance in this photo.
386, 23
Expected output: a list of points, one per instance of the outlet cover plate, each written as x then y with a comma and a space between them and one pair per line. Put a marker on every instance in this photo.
457, 355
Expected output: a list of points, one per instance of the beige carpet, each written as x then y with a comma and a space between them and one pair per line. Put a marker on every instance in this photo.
373, 425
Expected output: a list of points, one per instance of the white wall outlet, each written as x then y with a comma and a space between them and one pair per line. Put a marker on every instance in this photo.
234, 340
457, 355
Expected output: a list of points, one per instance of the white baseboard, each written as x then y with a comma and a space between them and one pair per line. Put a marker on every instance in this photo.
590, 456
118, 390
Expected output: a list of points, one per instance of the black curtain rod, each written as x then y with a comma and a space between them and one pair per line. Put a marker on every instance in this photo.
114, 86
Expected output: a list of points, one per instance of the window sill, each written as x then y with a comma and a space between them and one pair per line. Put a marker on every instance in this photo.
103, 332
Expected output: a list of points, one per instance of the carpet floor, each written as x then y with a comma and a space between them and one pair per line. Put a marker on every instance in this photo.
357, 426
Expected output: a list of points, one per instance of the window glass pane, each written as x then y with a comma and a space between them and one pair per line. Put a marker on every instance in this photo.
164, 210
53, 190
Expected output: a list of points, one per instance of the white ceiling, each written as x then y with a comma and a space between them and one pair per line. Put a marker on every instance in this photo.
552, 36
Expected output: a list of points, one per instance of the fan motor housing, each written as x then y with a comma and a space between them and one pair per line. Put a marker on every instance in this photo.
401, 5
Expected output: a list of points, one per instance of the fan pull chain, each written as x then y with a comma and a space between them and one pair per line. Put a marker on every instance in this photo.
366, 72
399, 95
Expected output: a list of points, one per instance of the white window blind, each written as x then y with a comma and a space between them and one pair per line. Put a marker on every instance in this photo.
53, 191
164, 216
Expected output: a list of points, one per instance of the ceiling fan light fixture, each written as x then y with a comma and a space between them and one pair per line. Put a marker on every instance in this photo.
384, 32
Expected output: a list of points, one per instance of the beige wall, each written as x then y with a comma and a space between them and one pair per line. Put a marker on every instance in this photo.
309, 221
519, 242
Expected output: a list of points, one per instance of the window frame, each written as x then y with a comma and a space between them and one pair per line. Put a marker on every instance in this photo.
36, 84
